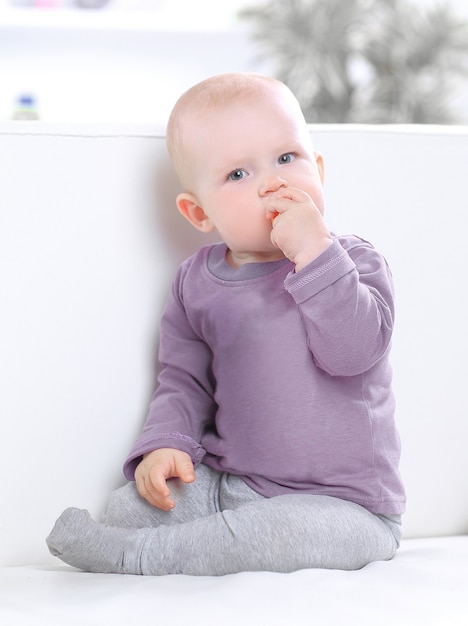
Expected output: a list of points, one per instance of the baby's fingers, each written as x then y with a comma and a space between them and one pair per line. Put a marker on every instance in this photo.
184, 468
158, 490
153, 488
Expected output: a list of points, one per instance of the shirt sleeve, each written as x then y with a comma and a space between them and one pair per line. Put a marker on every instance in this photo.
346, 301
182, 407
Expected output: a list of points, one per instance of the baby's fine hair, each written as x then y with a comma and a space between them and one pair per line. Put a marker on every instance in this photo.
214, 92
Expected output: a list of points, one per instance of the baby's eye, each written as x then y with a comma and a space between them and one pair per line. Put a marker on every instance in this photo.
237, 175
288, 157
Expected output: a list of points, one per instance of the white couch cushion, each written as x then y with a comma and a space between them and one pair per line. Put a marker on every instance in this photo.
89, 241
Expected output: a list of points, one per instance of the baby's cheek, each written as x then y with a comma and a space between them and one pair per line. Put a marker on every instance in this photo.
245, 227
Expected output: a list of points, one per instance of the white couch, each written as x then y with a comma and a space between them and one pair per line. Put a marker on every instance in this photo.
89, 241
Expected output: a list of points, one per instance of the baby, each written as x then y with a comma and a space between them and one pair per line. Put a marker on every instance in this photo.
270, 442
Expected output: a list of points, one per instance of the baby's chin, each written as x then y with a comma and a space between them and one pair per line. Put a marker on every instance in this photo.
236, 258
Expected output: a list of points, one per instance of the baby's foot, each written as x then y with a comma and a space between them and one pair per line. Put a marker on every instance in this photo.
81, 542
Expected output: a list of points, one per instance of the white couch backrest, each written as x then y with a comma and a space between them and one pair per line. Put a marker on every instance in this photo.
89, 242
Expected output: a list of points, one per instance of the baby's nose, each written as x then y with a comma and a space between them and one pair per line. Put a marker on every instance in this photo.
271, 184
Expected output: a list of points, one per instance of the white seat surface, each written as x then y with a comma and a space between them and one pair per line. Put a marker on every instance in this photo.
426, 584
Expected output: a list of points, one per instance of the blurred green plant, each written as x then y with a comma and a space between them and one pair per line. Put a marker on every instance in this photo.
365, 61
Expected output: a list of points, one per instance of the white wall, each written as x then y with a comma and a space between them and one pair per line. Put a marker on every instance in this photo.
112, 65
112, 75
125, 62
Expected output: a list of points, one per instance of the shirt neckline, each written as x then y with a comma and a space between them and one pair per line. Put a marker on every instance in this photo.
220, 268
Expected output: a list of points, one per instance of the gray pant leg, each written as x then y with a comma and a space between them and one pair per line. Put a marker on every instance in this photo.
280, 534
211, 492
127, 509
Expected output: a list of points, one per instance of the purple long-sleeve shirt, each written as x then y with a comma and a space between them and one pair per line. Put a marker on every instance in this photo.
282, 378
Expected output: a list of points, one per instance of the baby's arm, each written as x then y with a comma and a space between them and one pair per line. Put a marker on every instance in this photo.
156, 468
182, 407
347, 308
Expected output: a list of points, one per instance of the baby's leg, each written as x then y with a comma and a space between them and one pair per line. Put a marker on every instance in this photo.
116, 545
127, 509
280, 534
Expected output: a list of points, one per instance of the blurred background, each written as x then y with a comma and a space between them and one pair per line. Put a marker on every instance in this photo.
353, 61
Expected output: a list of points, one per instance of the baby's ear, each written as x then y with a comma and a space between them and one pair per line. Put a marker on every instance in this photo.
188, 205
320, 165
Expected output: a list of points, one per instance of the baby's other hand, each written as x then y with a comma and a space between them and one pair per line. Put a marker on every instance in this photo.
298, 227
155, 469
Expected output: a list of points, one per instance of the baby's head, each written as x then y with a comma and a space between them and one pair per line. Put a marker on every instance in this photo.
234, 140
191, 114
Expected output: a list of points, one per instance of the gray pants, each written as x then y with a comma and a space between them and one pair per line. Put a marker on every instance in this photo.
221, 526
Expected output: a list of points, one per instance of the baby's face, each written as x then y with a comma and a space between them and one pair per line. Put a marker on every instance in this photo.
242, 154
